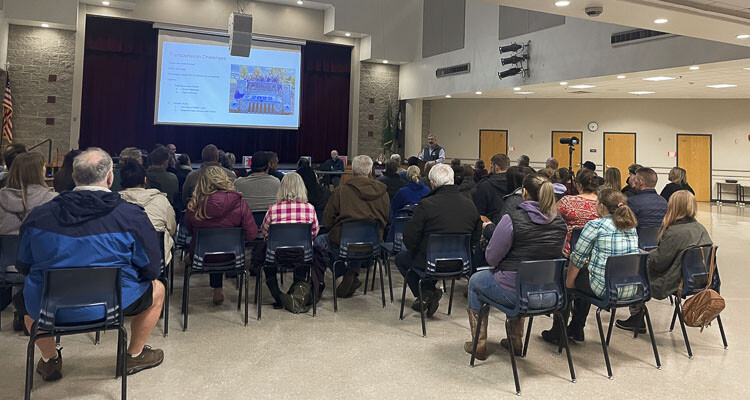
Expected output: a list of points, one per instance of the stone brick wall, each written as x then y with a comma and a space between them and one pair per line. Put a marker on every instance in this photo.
378, 88
41, 62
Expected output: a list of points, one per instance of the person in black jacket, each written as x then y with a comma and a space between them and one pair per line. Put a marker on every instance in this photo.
445, 210
391, 178
677, 181
629, 189
488, 198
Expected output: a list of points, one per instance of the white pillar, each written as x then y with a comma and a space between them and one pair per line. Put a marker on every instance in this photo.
413, 138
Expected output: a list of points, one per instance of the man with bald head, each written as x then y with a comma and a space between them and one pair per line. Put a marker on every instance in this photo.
91, 225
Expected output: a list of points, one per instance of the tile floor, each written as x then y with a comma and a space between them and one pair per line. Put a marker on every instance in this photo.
365, 352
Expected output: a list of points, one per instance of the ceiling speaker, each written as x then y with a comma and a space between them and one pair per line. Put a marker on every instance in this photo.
240, 34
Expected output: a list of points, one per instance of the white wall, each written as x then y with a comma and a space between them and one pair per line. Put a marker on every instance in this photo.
3, 39
61, 14
456, 123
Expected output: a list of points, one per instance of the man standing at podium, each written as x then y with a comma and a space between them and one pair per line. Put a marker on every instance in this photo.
432, 152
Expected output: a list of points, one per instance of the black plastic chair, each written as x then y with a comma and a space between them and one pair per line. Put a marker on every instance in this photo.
390, 249
622, 271
696, 263
212, 242
540, 286
575, 234
258, 216
8, 254
75, 288
288, 238
448, 257
359, 242
648, 238
167, 278
182, 239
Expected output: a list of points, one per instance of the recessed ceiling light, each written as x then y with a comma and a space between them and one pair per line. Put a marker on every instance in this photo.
661, 21
562, 3
659, 78
524, 92
642, 92
695, 68
300, 2
347, 34
45, 25
564, 83
621, 76
721, 86
582, 87
743, 36
447, 96
477, 92
105, 3
516, 88
385, 61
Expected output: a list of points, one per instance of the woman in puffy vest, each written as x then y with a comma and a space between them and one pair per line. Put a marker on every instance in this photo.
530, 231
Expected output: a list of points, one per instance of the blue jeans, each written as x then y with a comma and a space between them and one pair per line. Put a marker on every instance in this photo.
483, 283
333, 255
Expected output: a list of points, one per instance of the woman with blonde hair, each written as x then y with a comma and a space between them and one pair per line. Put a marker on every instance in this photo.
414, 190
677, 181
679, 232
612, 179
216, 204
531, 231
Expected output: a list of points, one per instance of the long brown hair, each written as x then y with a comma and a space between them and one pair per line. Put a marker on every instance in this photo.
210, 181
540, 190
612, 179
27, 169
616, 204
681, 204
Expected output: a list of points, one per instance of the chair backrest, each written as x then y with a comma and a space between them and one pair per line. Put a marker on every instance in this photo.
396, 231
574, 235
74, 288
359, 240
258, 216
288, 237
648, 238
216, 241
696, 263
8, 253
541, 286
449, 254
624, 271
405, 211
183, 239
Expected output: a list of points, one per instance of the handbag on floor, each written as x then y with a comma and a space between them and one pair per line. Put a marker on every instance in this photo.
702, 308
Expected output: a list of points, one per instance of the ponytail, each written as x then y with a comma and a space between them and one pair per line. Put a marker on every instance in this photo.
541, 190
616, 203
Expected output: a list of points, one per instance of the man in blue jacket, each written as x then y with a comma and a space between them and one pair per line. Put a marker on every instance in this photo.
91, 226
649, 209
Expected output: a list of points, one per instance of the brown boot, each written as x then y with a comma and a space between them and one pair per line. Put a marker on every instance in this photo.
516, 334
482, 342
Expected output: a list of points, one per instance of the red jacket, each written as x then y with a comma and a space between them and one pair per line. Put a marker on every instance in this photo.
224, 210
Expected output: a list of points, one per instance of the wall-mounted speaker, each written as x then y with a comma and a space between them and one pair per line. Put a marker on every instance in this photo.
240, 34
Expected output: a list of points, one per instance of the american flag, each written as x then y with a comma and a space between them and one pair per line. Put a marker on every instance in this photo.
8, 112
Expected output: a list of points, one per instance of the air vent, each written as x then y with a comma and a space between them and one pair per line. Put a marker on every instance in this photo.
580, 92
636, 36
454, 70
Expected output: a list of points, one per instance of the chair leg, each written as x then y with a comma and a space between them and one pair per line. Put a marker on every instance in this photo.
166, 313
678, 310
564, 341
97, 338
512, 356
186, 299
388, 269
674, 315
526, 341
721, 329
480, 317
171, 275
314, 294
333, 286
259, 290
247, 294
240, 282
421, 309
382, 284
30, 366
124, 362
403, 296
612, 314
450, 299
374, 271
651, 334
604, 343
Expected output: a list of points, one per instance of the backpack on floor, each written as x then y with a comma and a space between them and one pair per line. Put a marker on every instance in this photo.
299, 298
702, 308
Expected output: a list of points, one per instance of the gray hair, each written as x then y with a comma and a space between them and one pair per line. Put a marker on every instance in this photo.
396, 158
362, 165
292, 188
440, 175
91, 167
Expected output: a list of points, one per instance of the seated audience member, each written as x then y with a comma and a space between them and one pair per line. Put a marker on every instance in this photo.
629, 189
181, 171
677, 181
291, 208
479, 171
378, 166
412, 161
524, 161
612, 179
514, 187
216, 204
531, 231
157, 176
464, 178
9, 154
258, 189
559, 178
230, 160
390, 178
679, 232
101, 229
210, 158
409, 194
490, 191
24, 190
63, 179
578, 210
546, 173
273, 165
444, 210
128, 153
172, 155
612, 235
426, 173
361, 198
397, 158
153, 201
317, 195
552, 164
455, 163
648, 206
333, 164
589, 165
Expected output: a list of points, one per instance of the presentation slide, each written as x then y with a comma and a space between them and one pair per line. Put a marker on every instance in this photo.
199, 83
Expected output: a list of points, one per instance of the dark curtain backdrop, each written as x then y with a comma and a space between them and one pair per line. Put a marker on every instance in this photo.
119, 86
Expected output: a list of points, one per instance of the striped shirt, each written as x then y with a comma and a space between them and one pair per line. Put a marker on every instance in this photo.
290, 212
599, 240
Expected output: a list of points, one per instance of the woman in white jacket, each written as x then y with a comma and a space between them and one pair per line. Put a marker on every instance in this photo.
158, 209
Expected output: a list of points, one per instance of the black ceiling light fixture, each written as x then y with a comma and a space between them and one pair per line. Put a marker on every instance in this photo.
519, 60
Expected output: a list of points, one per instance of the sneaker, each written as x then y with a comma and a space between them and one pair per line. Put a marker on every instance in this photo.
551, 336
632, 323
434, 302
149, 358
417, 305
346, 285
50, 370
